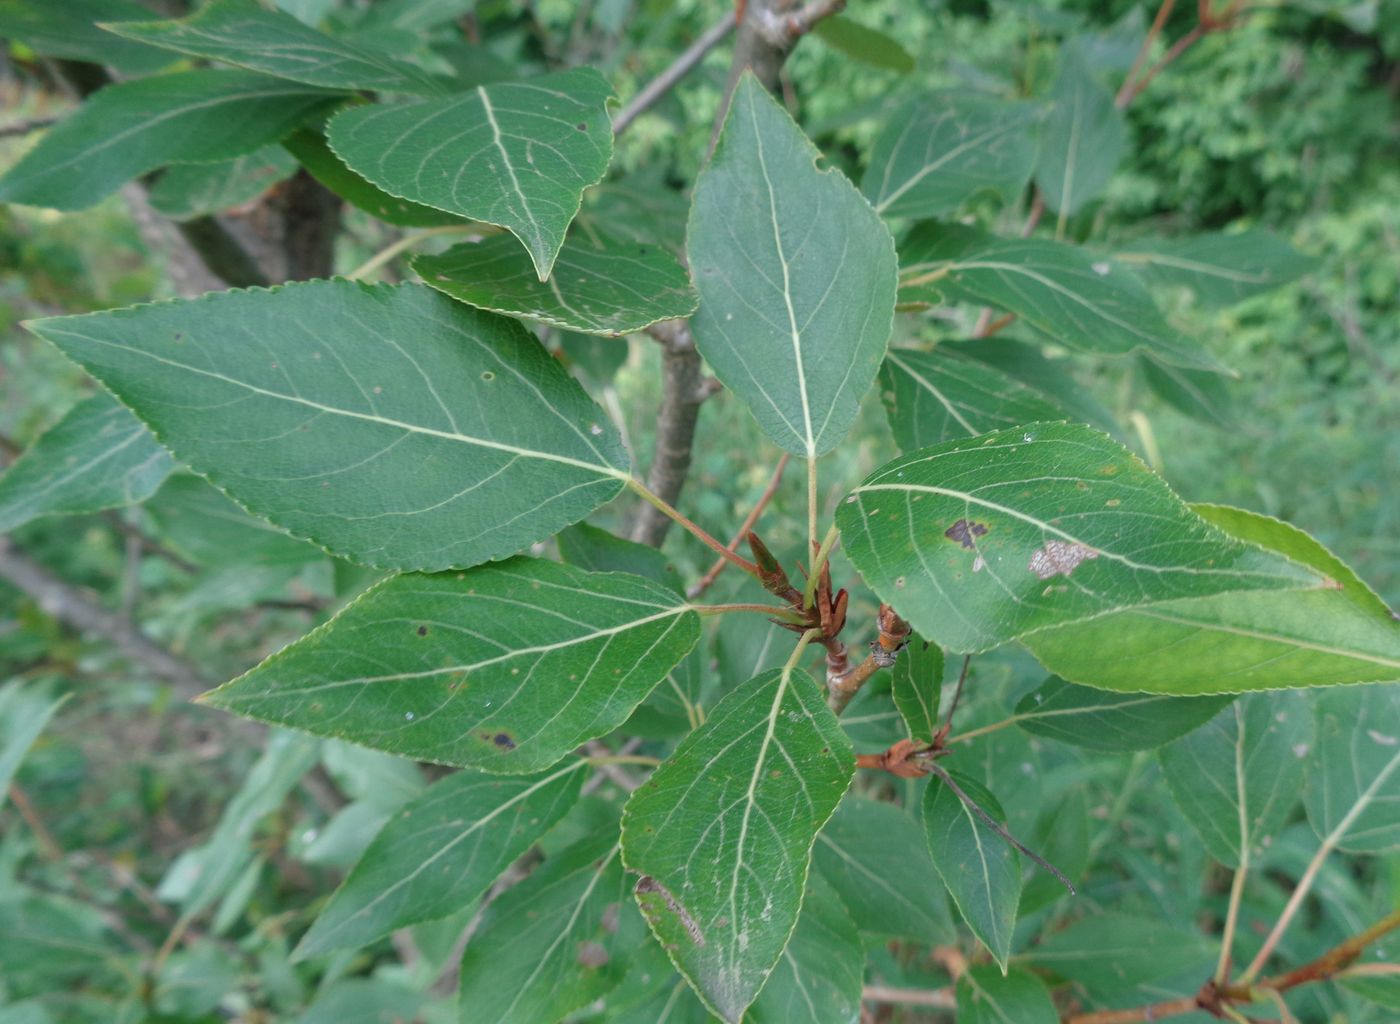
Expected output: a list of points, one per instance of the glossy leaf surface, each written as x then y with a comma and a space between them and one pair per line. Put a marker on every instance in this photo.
245, 33
517, 154
940, 150
1095, 719
440, 852
389, 424
936, 396
978, 541
599, 285
97, 456
722, 833
504, 667
982, 871
1341, 633
133, 127
1239, 776
1060, 290
796, 276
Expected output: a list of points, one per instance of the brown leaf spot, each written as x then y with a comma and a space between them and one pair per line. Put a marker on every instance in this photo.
649, 890
503, 740
592, 954
422, 630
1059, 558
964, 531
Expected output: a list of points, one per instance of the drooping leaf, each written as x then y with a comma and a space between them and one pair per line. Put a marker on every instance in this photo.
517, 154
1220, 269
199, 522
1060, 290
1353, 796
981, 870
1083, 138
936, 396
130, 128
505, 667
439, 853
722, 833
245, 33
863, 43
1111, 722
187, 191
1239, 776
796, 276
72, 30
312, 152
1341, 633
599, 285
987, 996
389, 424
875, 857
916, 683
1197, 393
1119, 956
24, 711
97, 456
818, 979
978, 541
941, 149
552, 943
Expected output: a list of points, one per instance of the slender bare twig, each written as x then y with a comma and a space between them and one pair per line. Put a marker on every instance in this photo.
938, 998
1125, 94
943, 732
666, 81
32, 124
705, 582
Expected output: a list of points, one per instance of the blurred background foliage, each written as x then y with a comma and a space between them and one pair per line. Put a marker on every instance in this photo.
141, 825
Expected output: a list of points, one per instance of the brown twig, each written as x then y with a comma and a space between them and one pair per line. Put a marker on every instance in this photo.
1125, 94
941, 737
706, 581
666, 81
938, 998
32, 124
884, 649
682, 393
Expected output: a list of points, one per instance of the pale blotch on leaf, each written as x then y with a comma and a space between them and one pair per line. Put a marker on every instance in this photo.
1059, 558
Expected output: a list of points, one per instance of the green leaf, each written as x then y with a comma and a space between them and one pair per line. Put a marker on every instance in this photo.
875, 857
916, 683
312, 152
1381, 989
600, 284
245, 33
722, 833
1030, 365
24, 712
1341, 633
1111, 722
936, 396
391, 425
416, 15
517, 154
863, 43
592, 359
72, 30
1220, 269
1119, 956
940, 150
796, 276
1197, 393
1239, 776
127, 129
1083, 138
552, 943
979, 541
439, 853
597, 550
187, 191
198, 521
818, 980
97, 456
1057, 288
363, 1001
987, 996
505, 667
1353, 797
981, 870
